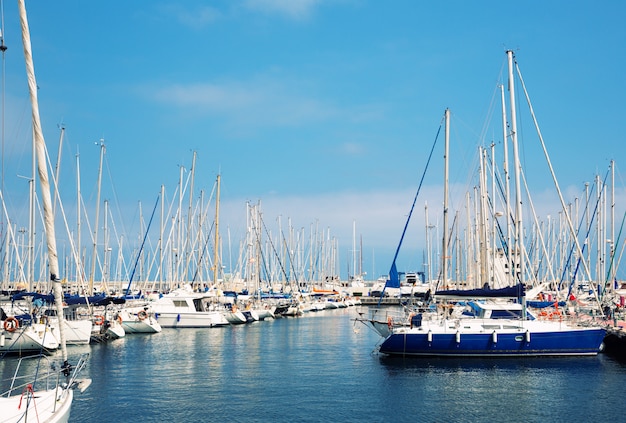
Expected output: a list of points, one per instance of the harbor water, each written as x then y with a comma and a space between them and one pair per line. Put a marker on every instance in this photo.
323, 367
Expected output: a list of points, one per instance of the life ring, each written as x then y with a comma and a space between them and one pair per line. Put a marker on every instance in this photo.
119, 319
98, 320
142, 315
389, 322
11, 324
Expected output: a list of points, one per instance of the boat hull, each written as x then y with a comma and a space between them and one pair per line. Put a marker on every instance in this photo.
148, 325
512, 343
235, 317
50, 406
77, 332
34, 338
191, 320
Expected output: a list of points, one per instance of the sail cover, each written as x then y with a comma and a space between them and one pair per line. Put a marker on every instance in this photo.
516, 291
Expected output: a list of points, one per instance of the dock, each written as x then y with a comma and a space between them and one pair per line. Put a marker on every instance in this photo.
387, 301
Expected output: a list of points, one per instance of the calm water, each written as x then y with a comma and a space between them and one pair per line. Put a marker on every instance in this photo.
320, 367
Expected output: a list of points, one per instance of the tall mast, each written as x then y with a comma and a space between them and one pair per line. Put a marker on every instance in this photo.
518, 252
161, 232
58, 165
79, 261
507, 190
353, 249
444, 251
40, 150
216, 260
188, 247
96, 223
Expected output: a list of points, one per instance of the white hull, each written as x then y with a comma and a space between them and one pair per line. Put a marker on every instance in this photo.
205, 319
235, 317
109, 329
149, 325
140, 322
77, 332
116, 330
51, 406
264, 313
28, 338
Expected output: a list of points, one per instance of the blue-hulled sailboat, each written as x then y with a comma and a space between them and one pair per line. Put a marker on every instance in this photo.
485, 322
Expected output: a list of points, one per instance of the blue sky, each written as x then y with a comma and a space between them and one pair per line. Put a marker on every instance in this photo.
322, 110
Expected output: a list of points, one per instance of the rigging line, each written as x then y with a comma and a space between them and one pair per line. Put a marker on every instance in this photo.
262, 267
3, 48
615, 243
130, 281
115, 196
554, 179
582, 252
202, 253
280, 262
393, 280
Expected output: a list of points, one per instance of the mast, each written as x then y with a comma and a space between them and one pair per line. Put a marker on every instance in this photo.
40, 150
216, 260
95, 226
57, 168
518, 261
187, 251
429, 253
444, 251
161, 232
507, 178
79, 261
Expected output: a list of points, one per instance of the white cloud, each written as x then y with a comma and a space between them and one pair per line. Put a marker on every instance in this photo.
260, 101
212, 97
197, 18
292, 9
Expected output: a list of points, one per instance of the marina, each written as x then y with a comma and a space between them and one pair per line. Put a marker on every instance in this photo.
322, 366
502, 314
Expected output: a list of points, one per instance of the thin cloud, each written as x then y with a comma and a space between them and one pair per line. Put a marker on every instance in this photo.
211, 97
291, 9
196, 18
352, 149
258, 102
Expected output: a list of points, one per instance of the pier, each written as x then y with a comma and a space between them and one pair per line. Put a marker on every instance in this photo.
373, 301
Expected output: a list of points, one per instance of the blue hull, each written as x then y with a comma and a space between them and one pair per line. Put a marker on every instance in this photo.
585, 342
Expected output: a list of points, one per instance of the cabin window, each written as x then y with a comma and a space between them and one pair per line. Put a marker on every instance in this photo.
505, 314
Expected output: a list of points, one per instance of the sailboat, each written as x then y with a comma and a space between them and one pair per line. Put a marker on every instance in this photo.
19, 336
36, 398
486, 322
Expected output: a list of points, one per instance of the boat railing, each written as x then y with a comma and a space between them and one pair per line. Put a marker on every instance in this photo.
31, 372
387, 314
23, 378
